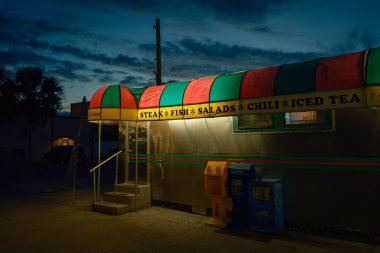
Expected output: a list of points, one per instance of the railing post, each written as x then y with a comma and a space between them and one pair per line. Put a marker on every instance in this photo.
94, 187
136, 165
99, 156
117, 169
96, 170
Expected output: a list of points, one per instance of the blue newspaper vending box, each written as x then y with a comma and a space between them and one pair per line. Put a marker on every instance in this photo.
266, 205
239, 176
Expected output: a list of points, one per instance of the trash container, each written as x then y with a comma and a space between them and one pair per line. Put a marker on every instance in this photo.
216, 174
266, 205
239, 177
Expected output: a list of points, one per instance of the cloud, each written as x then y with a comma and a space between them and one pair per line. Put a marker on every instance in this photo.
23, 58
221, 53
69, 74
188, 58
21, 27
102, 71
122, 60
62, 68
132, 81
238, 11
268, 30
353, 40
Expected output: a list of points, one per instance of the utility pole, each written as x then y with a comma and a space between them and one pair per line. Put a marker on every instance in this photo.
158, 52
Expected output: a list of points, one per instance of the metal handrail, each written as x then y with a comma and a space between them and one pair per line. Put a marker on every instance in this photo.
96, 188
105, 161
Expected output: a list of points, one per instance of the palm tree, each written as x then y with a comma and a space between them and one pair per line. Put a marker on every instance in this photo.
8, 96
40, 97
51, 95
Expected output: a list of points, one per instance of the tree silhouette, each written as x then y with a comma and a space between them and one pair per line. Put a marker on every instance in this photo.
8, 96
39, 98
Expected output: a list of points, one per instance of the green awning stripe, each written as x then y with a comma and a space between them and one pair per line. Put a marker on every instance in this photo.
111, 97
226, 87
173, 94
137, 93
288, 158
269, 166
296, 78
373, 67
336, 163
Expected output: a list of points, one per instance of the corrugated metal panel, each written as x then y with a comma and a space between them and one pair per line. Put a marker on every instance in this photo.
296, 78
226, 87
258, 83
341, 72
373, 67
173, 94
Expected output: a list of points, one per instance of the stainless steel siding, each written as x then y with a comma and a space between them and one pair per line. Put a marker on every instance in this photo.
344, 199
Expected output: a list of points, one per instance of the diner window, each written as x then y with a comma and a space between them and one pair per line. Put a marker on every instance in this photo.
282, 122
255, 121
303, 118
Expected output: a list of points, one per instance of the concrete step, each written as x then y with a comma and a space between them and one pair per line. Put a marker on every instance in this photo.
111, 208
130, 188
119, 197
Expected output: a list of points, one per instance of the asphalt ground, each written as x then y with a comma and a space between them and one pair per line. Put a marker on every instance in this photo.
38, 214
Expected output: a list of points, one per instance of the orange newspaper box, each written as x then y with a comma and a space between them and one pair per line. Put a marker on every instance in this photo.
216, 177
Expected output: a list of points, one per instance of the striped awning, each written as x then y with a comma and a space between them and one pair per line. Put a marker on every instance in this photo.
114, 103
346, 81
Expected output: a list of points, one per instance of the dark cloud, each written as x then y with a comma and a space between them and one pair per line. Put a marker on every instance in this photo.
132, 81
218, 51
69, 74
222, 10
15, 58
102, 71
242, 10
83, 53
63, 69
121, 60
26, 28
354, 40
268, 30
37, 27
189, 58
221, 53
107, 78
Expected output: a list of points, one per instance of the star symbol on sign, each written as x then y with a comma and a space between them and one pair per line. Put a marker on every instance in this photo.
284, 103
192, 111
166, 113
241, 107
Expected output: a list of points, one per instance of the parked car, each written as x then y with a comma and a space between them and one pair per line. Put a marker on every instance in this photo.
60, 155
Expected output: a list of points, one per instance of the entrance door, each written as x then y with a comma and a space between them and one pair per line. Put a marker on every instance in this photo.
129, 138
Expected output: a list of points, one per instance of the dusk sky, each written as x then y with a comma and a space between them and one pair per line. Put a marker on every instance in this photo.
90, 44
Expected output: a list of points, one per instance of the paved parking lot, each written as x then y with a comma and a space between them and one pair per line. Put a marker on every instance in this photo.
37, 214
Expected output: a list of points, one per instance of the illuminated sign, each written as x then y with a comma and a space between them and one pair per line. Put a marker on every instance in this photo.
287, 103
325, 100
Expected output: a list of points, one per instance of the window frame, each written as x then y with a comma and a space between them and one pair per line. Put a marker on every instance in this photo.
279, 125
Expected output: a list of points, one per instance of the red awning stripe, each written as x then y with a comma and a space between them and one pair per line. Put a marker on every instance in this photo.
258, 83
198, 91
340, 72
150, 98
127, 99
96, 100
